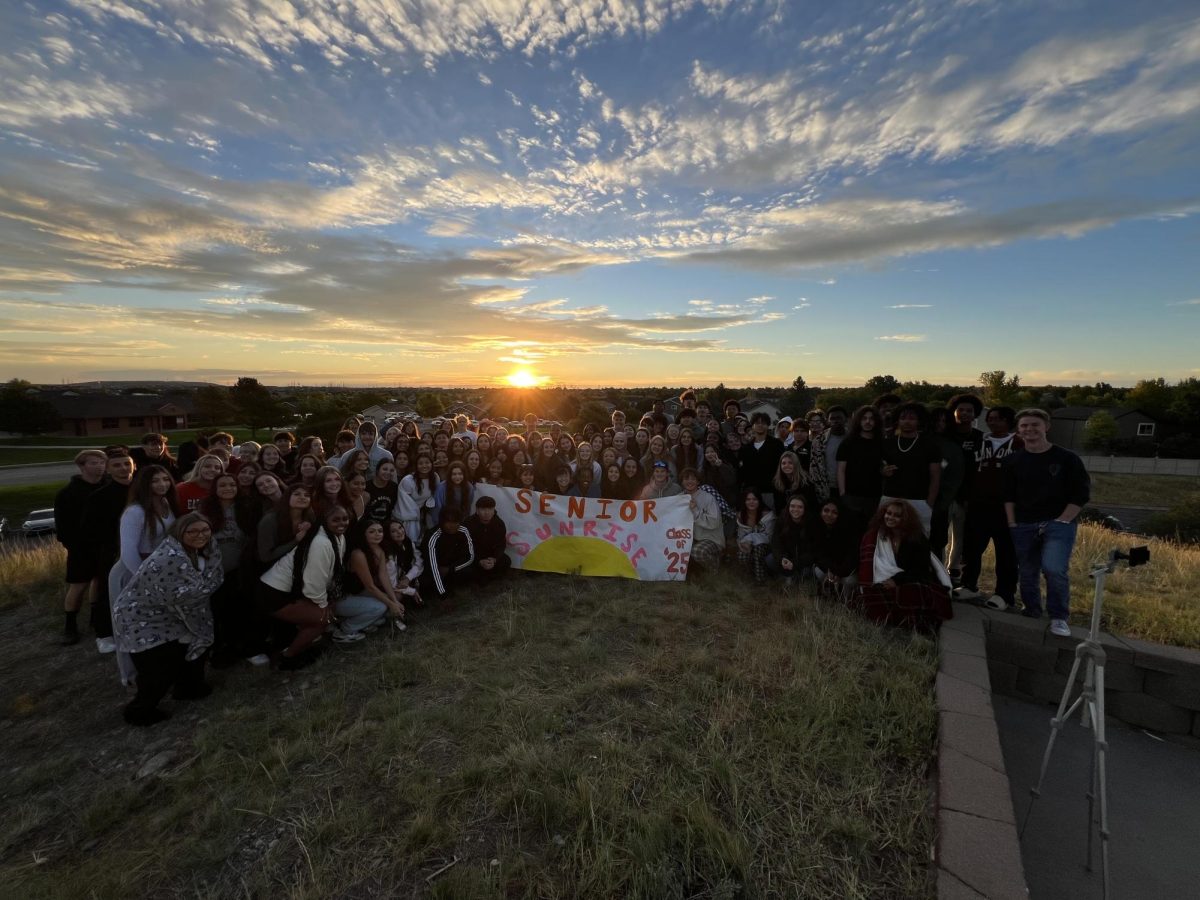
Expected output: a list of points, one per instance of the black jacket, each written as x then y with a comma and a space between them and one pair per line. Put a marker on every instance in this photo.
834, 549
756, 468
102, 520
790, 541
68, 511
490, 539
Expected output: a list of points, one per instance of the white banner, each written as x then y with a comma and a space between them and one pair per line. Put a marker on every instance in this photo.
650, 540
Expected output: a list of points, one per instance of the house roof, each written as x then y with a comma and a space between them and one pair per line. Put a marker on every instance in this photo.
102, 405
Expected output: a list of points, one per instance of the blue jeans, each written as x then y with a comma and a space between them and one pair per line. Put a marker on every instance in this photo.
359, 611
1044, 548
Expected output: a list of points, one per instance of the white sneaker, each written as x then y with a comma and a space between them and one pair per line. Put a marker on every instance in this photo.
347, 637
996, 602
106, 645
964, 593
1060, 627
259, 659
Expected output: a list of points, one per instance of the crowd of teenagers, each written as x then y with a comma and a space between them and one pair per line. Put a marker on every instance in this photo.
266, 553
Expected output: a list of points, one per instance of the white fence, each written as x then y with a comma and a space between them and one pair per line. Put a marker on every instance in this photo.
1131, 465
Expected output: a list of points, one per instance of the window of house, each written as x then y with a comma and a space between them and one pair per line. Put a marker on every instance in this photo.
110, 423
137, 421
1145, 429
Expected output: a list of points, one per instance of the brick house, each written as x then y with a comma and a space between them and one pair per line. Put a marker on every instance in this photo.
96, 414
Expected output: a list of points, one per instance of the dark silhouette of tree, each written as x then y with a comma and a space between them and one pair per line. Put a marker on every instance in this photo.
256, 406
22, 411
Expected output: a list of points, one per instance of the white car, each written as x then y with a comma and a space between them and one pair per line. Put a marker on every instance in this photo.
40, 521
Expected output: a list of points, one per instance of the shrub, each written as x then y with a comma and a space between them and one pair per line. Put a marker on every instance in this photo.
1181, 522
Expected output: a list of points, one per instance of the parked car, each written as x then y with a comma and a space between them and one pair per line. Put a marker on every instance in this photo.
39, 521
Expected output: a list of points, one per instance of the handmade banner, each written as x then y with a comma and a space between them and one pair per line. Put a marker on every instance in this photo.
650, 540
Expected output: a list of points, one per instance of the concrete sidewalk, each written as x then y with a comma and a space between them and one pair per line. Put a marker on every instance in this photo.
1154, 807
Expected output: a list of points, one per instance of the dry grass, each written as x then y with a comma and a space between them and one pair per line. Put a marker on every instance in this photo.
30, 569
1159, 602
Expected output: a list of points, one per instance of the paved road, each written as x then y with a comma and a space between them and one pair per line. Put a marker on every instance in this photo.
1154, 807
25, 475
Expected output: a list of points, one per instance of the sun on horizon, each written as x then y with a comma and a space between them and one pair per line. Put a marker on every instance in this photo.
524, 378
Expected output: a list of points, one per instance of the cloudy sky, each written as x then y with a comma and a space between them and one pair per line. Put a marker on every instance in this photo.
599, 192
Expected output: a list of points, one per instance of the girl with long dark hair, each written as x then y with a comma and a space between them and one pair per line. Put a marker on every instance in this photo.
791, 553
302, 587
227, 513
835, 550
149, 514
369, 595
754, 527
415, 496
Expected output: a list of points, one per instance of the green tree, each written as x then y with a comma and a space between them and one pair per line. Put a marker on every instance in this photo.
214, 405
428, 405
717, 397
1100, 430
566, 406
255, 405
999, 389
799, 398
1185, 408
1152, 396
878, 385
22, 411
593, 412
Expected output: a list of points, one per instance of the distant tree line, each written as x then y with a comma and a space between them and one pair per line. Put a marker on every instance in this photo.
1175, 405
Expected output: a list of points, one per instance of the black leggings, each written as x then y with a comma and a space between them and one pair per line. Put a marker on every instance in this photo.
158, 670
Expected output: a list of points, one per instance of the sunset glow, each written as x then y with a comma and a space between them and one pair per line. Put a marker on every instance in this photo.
523, 378
643, 192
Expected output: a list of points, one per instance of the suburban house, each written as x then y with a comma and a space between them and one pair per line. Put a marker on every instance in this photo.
1068, 425
98, 413
752, 404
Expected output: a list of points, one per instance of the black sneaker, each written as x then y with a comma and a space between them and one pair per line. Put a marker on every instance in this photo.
70, 637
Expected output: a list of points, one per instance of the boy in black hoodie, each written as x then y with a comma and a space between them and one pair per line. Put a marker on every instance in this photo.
488, 534
449, 555
68, 526
102, 535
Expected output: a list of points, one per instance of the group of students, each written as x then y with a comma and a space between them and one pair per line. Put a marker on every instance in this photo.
265, 552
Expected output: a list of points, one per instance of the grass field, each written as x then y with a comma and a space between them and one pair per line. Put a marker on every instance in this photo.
560, 738
1142, 490
23, 451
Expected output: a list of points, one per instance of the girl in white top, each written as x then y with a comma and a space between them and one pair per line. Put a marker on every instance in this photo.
151, 512
415, 496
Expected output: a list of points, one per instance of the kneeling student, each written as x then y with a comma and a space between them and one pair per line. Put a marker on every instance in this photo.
449, 554
488, 535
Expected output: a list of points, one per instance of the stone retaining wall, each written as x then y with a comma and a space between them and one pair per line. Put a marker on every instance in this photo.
1147, 685
977, 854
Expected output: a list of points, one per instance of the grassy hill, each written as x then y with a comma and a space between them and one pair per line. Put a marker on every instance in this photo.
559, 738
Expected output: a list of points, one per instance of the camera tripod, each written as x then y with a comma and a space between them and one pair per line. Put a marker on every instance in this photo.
1091, 656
